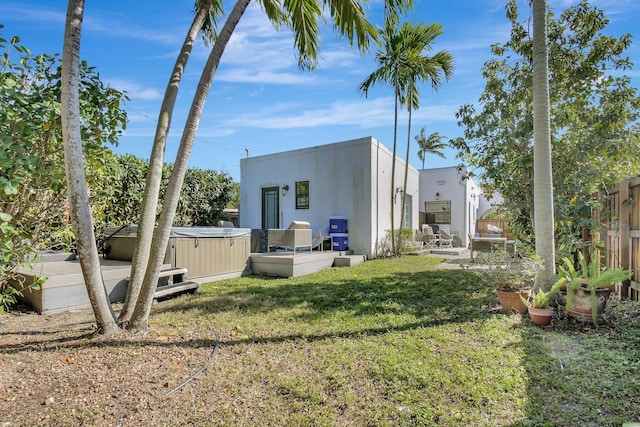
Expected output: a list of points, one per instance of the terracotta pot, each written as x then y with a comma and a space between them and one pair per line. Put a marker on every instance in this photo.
510, 300
581, 306
541, 316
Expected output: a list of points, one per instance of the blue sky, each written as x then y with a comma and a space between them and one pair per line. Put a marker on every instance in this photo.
260, 101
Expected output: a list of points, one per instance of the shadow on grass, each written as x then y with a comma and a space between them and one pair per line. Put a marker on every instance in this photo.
452, 295
411, 299
584, 374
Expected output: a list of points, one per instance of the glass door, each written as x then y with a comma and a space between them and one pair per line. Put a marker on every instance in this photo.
270, 208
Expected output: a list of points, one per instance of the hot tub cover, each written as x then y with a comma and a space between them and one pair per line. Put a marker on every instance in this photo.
132, 230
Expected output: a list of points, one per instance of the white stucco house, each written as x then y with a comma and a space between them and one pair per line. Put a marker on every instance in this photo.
450, 200
349, 179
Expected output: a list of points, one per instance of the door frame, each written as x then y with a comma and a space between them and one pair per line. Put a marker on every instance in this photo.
270, 193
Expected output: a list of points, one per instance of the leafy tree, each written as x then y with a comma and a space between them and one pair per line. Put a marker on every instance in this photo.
205, 194
593, 119
430, 145
33, 209
128, 184
234, 198
203, 198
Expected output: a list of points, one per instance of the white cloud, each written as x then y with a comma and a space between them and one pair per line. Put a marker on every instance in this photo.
360, 113
136, 90
240, 75
117, 27
35, 14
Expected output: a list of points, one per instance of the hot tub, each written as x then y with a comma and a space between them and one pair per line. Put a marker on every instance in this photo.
203, 251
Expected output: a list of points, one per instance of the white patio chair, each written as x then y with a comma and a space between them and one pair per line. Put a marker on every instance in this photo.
430, 238
446, 240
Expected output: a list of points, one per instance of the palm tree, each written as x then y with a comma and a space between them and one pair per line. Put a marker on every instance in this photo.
421, 68
401, 64
431, 145
542, 169
146, 223
74, 169
302, 17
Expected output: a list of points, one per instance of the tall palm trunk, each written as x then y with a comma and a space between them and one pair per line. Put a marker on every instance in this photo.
542, 168
393, 171
406, 161
140, 315
74, 169
156, 161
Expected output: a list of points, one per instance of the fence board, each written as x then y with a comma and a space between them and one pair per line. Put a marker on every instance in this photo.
620, 214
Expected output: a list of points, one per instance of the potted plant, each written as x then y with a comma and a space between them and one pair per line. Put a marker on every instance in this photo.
589, 287
513, 278
538, 305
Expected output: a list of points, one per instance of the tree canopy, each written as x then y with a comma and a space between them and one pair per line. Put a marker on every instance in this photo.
594, 120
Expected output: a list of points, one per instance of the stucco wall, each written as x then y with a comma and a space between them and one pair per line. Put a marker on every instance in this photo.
349, 179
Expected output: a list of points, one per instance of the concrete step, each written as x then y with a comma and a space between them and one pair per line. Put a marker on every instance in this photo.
348, 260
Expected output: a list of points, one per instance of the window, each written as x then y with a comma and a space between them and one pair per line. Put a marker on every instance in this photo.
406, 221
438, 212
302, 195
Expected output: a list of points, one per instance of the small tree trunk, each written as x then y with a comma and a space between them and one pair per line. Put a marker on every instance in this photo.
74, 168
139, 320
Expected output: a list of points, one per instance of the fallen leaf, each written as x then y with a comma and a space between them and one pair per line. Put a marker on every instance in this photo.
174, 366
162, 338
66, 360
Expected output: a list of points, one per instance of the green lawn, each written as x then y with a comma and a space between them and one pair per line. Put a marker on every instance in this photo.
398, 342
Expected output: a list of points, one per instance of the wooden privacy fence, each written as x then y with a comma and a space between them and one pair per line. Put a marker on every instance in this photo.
620, 214
482, 227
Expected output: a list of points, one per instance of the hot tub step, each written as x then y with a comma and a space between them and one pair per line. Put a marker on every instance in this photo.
164, 291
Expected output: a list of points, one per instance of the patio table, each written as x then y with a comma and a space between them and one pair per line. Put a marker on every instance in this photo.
491, 243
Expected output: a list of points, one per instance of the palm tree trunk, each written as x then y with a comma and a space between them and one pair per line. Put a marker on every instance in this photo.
74, 168
542, 176
393, 172
142, 309
406, 165
154, 174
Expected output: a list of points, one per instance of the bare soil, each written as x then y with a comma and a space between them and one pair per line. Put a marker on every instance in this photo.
55, 371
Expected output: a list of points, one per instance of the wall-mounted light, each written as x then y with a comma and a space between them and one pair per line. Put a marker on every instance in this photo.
437, 196
398, 190
285, 188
